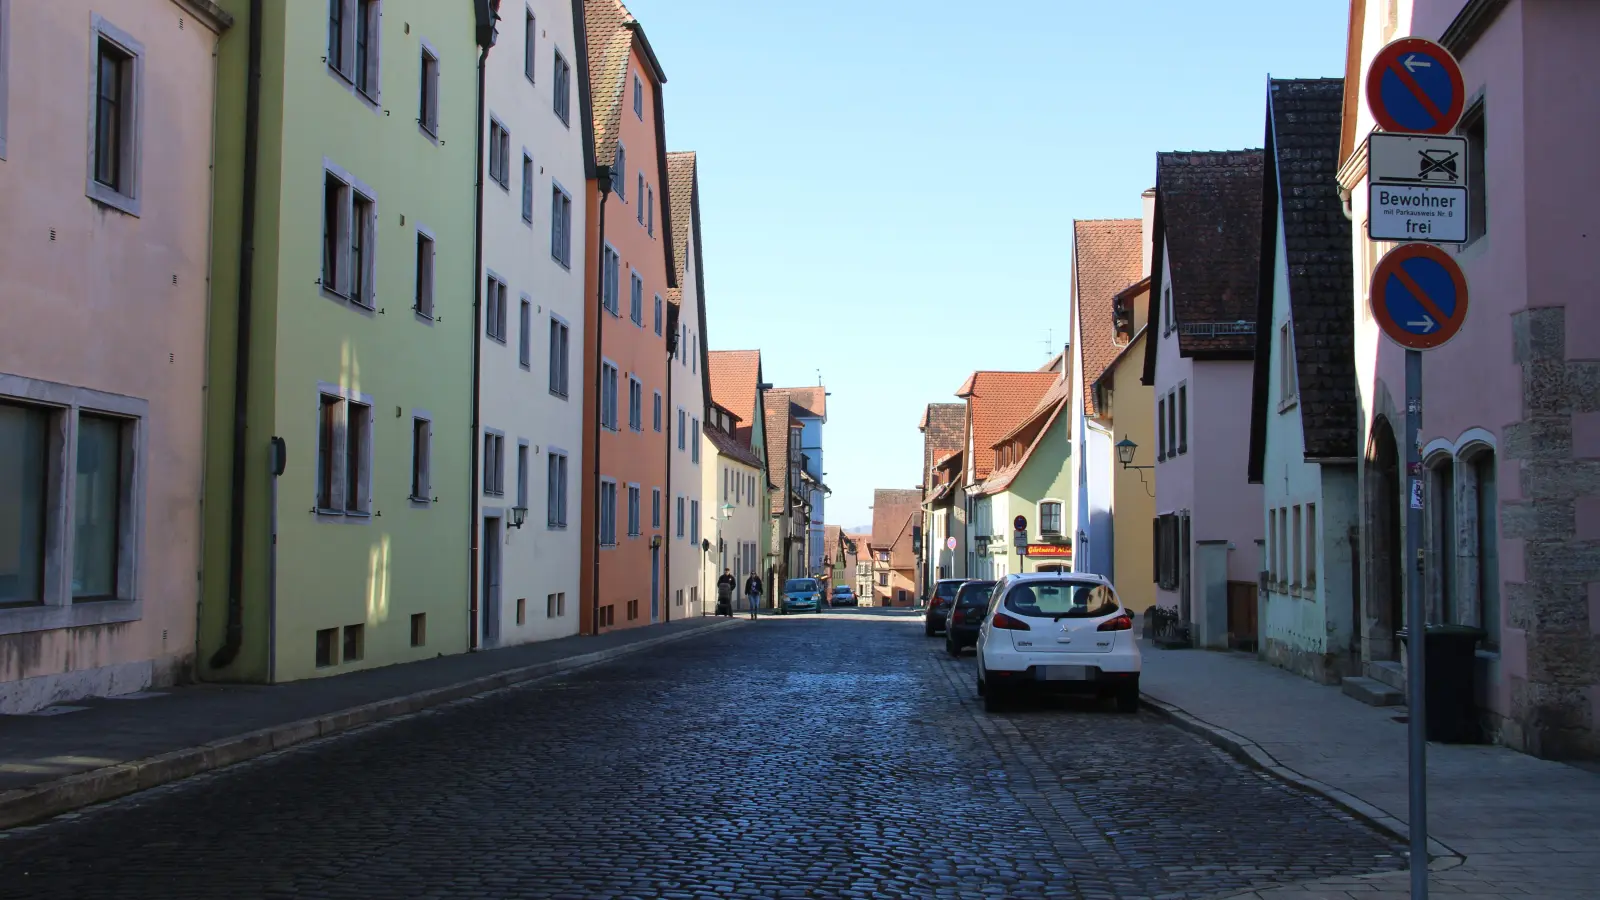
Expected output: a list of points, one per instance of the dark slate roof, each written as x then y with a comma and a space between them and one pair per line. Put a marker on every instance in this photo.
1303, 128
1208, 222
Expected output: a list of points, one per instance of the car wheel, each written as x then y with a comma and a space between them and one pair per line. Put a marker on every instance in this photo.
994, 700
1128, 698
951, 647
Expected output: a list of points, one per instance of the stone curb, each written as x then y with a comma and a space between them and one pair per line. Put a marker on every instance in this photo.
1251, 754
32, 804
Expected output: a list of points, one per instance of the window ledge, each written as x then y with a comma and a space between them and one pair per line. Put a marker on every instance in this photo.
420, 501
1288, 403
113, 198
422, 316
551, 526
561, 395
23, 619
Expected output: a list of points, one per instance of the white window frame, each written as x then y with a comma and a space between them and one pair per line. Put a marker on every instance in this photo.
345, 72
610, 374
127, 196
638, 96
679, 506
560, 225
635, 403
683, 425
611, 280
1060, 510
527, 186
656, 414
498, 153
429, 94
495, 294
560, 356
636, 296
619, 172
694, 522
492, 479
525, 335
650, 211
530, 45
362, 514
556, 500
635, 510
660, 315
561, 92
344, 232
605, 517
426, 283
63, 403
639, 211
422, 468
655, 509
694, 441
524, 470
1288, 376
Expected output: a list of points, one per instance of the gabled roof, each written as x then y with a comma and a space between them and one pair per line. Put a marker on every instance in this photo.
1106, 255
1303, 124
813, 401
893, 512
1031, 431
778, 423
734, 375
683, 177
729, 446
611, 33
998, 401
943, 429
1208, 223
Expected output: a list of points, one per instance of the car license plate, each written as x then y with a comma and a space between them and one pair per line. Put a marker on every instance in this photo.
1063, 673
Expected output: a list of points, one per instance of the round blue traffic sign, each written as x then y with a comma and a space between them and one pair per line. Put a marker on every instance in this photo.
1414, 85
1419, 296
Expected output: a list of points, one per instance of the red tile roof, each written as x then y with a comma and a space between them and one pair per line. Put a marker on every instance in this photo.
681, 184
998, 402
777, 426
1107, 255
729, 446
814, 400
944, 427
893, 513
734, 376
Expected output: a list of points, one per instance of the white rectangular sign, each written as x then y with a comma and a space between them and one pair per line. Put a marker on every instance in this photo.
1416, 159
1429, 214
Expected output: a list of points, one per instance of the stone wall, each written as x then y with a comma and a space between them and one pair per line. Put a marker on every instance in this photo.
1552, 709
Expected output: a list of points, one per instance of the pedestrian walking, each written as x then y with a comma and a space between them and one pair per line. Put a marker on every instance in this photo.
752, 589
725, 588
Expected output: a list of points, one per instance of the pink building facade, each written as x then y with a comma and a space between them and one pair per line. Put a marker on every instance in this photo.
1204, 258
105, 152
1511, 406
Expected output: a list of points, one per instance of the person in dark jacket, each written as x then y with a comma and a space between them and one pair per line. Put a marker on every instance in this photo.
752, 589
725, 588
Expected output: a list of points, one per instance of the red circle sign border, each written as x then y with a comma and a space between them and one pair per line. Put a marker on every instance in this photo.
1389, 54
1380, 310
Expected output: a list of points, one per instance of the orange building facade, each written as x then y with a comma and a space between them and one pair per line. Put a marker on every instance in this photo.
630, 423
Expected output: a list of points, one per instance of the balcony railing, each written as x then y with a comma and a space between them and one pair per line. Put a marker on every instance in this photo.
1216, 329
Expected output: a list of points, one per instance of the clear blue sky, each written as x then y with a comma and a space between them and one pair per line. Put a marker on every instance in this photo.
888, 187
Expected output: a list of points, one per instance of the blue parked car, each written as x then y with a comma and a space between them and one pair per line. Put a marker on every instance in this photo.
801, 595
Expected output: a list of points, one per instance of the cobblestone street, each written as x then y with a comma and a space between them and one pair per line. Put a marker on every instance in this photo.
841, 756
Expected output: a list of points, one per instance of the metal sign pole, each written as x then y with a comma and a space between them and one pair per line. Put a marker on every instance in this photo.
1416, 725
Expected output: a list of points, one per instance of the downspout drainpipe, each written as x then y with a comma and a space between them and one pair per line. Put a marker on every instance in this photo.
602, 176
234, 638
666, 580
473, 526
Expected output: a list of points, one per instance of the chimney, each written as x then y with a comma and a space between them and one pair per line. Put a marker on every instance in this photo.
1149, 226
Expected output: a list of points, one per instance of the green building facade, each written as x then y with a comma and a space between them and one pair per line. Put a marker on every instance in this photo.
358, 352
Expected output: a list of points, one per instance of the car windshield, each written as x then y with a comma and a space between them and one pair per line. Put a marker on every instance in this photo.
841, 589
946, 589
799, 586
1061, 599
975, 593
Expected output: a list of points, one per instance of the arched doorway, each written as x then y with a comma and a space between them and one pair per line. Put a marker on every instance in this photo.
1385, 598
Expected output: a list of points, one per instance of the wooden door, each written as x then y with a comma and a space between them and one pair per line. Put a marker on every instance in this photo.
1242, 615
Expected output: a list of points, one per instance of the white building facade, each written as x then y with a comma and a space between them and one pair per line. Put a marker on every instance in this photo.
532, 392
688, 396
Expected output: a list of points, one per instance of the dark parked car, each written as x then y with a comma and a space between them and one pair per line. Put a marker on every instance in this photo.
944, 591
966, 616
844, 595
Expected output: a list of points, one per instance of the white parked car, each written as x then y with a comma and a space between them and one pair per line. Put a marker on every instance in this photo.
1061, 632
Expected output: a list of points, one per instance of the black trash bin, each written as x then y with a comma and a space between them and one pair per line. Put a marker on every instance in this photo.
1449, 681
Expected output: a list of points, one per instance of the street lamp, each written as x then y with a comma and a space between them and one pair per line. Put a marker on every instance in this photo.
519, 515
1125, 450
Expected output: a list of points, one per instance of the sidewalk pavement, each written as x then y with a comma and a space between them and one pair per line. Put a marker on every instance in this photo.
102, 748
1503, 824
